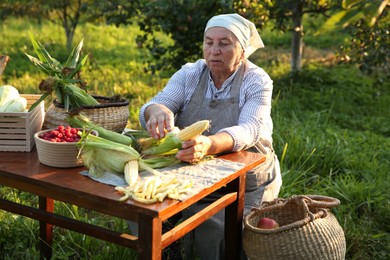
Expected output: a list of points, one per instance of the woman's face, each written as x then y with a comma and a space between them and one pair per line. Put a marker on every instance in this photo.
222, 51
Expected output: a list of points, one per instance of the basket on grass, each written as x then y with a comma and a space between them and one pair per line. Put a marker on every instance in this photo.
112, 113
307, 230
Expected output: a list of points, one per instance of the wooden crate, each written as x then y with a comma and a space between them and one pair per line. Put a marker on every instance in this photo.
17, 129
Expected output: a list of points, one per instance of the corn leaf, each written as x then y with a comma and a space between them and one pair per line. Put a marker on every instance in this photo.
43, 54
46, 69
77, 97
59, 95
74, 56
38, 101
167, 144
78, 67
82, 121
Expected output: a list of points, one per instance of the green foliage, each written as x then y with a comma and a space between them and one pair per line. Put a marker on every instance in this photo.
12, 8
184, 21
281, 12
367, 23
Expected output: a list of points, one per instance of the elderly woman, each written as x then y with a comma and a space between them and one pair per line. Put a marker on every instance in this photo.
235, 94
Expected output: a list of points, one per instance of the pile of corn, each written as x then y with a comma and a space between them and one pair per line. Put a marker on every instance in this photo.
155, 189
127, 155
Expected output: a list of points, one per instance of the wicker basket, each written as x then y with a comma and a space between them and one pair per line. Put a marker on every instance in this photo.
112, 113
307, 230
58, 155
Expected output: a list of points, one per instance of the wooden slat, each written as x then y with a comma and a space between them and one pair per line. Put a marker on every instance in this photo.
191, 223
71, 224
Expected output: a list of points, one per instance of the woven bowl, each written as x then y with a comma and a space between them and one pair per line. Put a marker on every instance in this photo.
59, 155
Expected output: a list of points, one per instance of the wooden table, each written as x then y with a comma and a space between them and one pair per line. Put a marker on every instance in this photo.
23, 171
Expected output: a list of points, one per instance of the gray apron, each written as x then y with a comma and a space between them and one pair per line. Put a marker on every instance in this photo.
222, 112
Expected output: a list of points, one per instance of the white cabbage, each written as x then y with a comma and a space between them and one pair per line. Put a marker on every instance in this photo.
18, 105
7, 92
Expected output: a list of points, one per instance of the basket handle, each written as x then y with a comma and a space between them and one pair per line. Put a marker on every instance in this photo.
321, 201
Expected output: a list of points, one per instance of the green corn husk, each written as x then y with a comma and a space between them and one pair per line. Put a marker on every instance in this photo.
161, 161
62, 79
81, 121
172, 142
101, 155
137, 134
76, 97
167, 145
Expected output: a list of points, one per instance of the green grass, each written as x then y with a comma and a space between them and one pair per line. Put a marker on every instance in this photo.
331, 133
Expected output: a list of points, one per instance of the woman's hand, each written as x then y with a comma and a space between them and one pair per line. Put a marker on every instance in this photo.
159, 120
194, 149
198, 147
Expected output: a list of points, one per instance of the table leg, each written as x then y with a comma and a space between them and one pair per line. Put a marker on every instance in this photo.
233, 220
46, 229
149, 236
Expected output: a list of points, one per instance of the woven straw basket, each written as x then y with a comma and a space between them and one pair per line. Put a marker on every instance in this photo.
307, 230
58, 155
112, 113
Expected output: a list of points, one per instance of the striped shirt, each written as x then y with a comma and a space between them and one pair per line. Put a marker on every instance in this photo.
254, 124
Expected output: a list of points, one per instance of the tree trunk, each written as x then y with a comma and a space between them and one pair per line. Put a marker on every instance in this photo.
297, 37
70, 19
69, 38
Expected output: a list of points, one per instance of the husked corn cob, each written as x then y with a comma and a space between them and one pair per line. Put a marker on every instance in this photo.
156, 188
173, 141
131, 172
192, 130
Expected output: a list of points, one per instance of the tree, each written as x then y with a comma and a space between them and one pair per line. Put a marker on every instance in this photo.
288, 16
182, 20
67, 13
367, 22
116, 11
12, 8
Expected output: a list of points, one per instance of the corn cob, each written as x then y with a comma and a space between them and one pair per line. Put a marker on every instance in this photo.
193, 130
173, 141
156, 189
101, 155
81, 121
147, 142
131, 172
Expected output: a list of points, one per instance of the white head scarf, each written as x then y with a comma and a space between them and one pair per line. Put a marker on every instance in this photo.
243, 29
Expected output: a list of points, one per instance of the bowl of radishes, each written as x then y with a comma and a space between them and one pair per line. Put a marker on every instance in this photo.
57, 147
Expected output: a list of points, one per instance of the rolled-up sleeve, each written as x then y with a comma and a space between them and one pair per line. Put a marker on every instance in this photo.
176, 94
254, 124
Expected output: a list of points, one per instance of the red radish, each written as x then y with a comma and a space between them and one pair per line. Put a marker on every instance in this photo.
267, 223
61, 134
